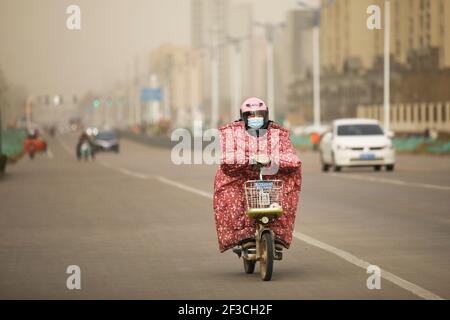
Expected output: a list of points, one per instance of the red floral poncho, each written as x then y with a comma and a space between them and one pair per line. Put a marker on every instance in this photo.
237, 147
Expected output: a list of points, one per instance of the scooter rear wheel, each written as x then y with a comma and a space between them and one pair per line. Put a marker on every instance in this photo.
266, 262
249, 266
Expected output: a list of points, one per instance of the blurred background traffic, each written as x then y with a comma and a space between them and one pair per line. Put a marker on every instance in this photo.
149, 67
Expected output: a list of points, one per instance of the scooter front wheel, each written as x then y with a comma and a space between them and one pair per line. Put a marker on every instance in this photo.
266, 261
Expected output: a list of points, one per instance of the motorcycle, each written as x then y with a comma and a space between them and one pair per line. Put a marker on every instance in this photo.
33, 145
263, 206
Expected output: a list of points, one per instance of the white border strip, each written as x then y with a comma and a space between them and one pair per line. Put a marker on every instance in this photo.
64, 146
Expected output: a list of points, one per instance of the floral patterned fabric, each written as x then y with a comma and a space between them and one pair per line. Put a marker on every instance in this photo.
238, 146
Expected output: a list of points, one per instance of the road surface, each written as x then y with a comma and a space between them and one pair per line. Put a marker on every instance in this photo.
140, 227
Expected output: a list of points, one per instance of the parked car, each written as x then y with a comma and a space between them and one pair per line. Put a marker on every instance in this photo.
107, 141
356, 142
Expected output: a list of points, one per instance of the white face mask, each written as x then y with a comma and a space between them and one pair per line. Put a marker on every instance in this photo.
256, 122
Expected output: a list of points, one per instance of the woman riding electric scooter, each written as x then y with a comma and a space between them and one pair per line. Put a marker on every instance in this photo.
248, 145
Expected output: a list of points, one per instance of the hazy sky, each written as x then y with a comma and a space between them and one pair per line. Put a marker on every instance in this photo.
40, 53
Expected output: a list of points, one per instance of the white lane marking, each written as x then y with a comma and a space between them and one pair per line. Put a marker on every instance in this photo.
133, 174
64, 145
125, 171
185, 187
105, 164
50, 154
404, 284
391, 181
411, 287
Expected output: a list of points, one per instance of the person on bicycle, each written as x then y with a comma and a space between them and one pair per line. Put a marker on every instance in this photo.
248, 144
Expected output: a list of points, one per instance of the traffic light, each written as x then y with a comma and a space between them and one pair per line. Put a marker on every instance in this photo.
96, 103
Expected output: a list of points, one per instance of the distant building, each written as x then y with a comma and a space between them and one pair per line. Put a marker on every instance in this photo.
352, 57
210, 25
179, 72
298, 39
417, 27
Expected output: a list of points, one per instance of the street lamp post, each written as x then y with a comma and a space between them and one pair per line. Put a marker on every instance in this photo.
214, 88
316, 55
137, 100
214, 80
269, 33
316, 68
387, 65
237, 76
194, 79
237, 90
270, 74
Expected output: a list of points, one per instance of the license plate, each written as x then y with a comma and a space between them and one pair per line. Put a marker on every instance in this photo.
264, 185
367, 156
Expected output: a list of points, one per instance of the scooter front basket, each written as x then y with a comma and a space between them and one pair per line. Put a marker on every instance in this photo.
263, 197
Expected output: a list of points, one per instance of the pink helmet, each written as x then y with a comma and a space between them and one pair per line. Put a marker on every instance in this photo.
253, 104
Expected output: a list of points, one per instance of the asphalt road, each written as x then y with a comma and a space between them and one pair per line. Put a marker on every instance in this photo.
140, 227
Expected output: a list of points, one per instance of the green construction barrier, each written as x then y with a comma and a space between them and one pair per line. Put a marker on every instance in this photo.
301, 140
12, 142
421, 144
408, 144
440, 148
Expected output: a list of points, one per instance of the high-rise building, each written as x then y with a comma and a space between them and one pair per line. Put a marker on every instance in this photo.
299, 43
418, 28
352, 56
209, 27
241, 29
179, 73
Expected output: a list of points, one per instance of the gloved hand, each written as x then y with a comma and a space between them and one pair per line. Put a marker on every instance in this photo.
261, 160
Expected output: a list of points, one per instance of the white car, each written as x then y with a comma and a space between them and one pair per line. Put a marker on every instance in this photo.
356, 142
